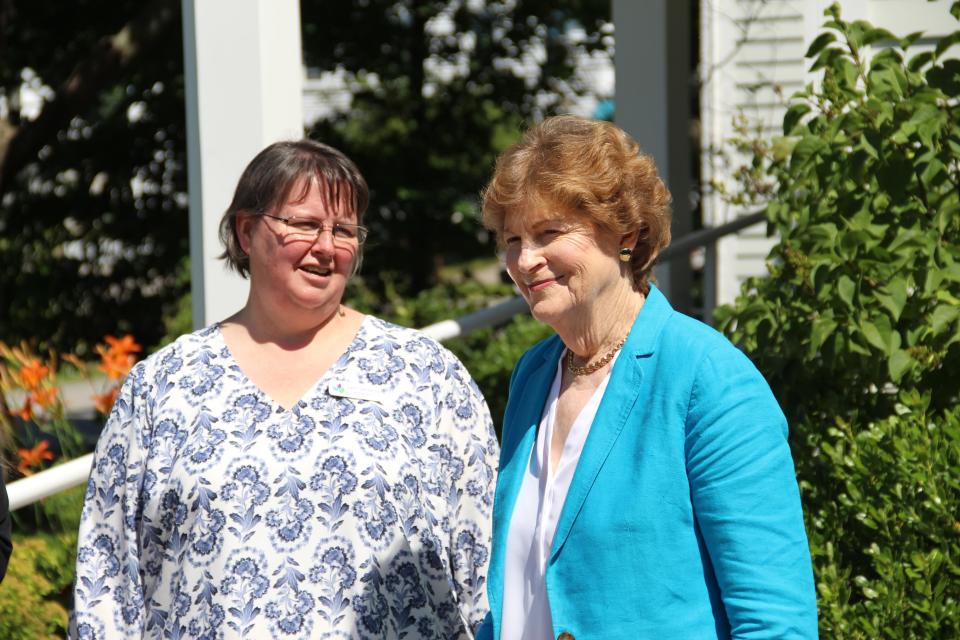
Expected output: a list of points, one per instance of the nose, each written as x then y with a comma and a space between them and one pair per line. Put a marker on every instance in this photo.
526, 260
324, 240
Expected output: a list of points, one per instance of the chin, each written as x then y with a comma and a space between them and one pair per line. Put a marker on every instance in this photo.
546, 313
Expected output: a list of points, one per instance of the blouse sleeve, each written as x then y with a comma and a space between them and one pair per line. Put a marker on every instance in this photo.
108, 592
6, 546
465, 415
746, 500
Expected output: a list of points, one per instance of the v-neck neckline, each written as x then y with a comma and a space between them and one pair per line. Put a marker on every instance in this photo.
310, 391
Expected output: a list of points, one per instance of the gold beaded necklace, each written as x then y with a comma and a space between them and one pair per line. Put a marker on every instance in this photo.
591, 367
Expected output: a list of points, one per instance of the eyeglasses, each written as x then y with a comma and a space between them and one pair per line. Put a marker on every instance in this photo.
310, 229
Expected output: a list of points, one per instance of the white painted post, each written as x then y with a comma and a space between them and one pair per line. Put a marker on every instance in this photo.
243, 76
652, 98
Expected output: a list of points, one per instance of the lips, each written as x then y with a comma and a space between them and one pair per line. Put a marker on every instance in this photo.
317, 270
540, 285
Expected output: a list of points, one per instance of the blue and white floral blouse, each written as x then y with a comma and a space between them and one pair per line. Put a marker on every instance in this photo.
361, 512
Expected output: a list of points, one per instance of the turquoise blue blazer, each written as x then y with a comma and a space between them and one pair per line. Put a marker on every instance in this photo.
683, 517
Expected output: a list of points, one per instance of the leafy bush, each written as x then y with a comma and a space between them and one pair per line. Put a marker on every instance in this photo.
864, 287
35, 594
857, 326
883, 525
40, 570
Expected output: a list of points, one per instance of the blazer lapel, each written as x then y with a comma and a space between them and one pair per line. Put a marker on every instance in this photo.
520, 432
615, 408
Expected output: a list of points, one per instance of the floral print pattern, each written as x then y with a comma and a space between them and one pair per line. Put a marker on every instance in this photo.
361, 512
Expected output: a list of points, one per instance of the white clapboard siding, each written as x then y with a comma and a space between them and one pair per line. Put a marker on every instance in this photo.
751, 63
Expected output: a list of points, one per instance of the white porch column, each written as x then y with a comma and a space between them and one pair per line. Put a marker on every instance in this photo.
243, 76
653, 105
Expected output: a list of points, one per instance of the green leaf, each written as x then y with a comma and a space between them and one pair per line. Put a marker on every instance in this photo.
873, 34
946, 42
920, 60
819, 43
907, 41
792, 117
943, 315
782, 147
899, 362
846, 289
932, 282
873, 335
808, 147
945, 77
893, 297
848, 71
821, 330
934, 168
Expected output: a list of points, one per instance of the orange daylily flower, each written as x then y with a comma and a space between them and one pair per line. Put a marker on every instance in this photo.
25, 412
33, 373
46, 398
117, 358
104, 401
31, 459
126, 344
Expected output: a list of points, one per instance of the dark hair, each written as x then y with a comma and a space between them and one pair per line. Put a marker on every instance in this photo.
588, 168
267, 182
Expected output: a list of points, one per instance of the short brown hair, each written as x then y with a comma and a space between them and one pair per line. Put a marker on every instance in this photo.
593, 169
267, 182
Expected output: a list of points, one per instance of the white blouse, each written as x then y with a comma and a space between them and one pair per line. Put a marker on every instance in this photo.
526, 611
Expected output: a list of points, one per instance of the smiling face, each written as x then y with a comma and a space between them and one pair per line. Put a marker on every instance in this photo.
565, 268
290, 274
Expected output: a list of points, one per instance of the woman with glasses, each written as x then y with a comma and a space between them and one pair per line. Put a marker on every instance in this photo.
299, 469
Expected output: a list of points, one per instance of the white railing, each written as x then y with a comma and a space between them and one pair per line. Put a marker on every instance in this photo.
71, 474
64, 476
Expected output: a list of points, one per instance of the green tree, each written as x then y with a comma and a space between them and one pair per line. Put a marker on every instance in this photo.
92, 214
93, 220
438, 92
857, 325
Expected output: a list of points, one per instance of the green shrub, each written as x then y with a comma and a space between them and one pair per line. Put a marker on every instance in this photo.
35, 593
883, 525
857, 326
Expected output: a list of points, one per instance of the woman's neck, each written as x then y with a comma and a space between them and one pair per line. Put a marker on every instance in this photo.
289, 332
599, 328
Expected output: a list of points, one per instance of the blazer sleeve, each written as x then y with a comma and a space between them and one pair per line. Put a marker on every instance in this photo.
746, 500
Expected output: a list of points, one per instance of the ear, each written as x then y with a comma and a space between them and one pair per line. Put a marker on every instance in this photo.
245, 224
629, 240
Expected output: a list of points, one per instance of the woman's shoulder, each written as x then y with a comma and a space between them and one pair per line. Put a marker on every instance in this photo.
174, 354
691, 340
378, 333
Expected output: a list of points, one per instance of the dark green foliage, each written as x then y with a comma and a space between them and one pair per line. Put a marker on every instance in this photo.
883, 525
427, 142
36, 593
857, 327
84, 253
